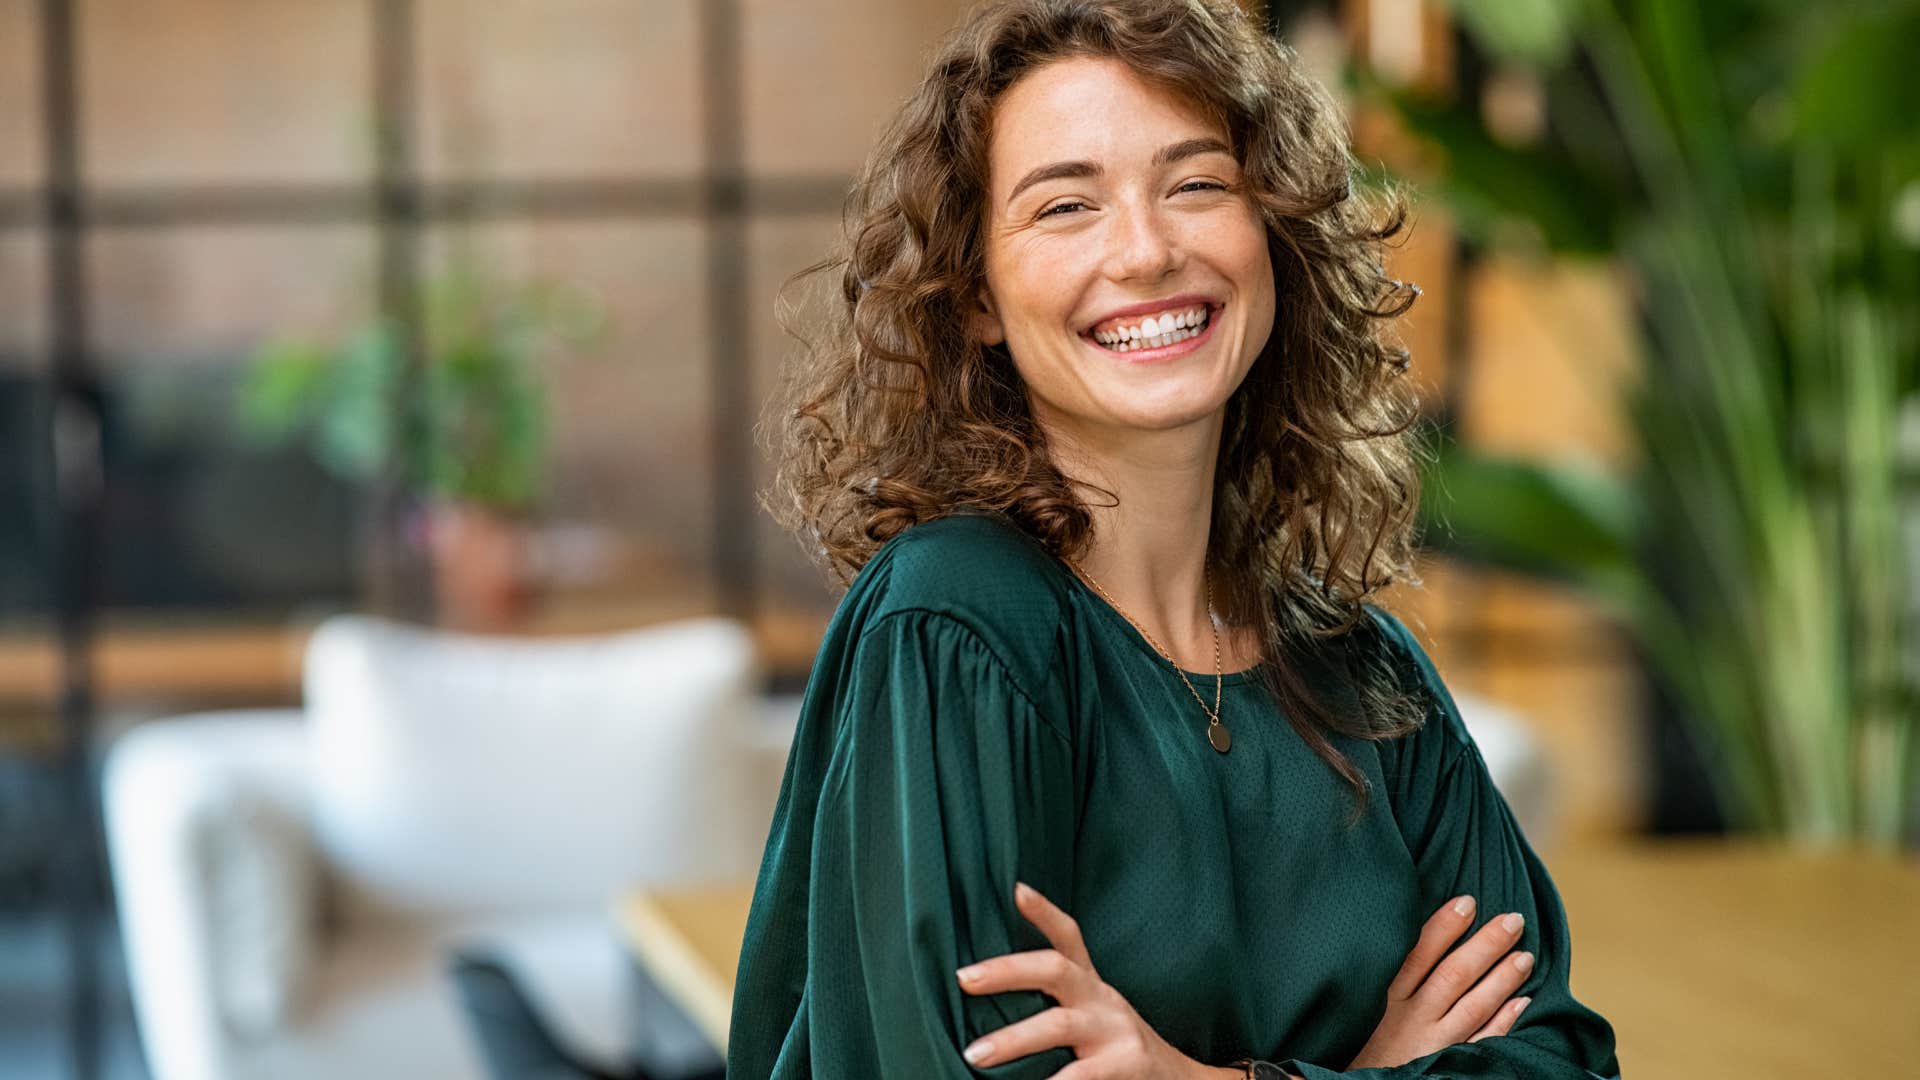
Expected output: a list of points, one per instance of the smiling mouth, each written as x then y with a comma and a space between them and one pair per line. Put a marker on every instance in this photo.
1142, 338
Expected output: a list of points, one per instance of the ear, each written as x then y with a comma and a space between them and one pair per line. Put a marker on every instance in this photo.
984, 321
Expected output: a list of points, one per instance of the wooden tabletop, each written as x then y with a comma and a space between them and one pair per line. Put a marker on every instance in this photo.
688, 940
1717, 960
1710, 958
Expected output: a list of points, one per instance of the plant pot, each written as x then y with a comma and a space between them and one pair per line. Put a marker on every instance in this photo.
482, 567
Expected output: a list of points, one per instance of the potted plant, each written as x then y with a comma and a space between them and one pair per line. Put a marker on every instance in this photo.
1755, 172
473, 456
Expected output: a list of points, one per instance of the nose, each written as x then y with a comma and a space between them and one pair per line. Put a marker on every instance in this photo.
1143, 245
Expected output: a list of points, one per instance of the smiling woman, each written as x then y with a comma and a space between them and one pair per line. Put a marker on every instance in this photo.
1107, 767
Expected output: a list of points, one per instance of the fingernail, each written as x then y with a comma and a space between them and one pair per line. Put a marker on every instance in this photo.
1022, 891
1524, 961
1463, 906
968, 974
1514, 922
977, 1051
1520, 1005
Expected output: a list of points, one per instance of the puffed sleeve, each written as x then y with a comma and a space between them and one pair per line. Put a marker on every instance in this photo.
945, 785
1463, 839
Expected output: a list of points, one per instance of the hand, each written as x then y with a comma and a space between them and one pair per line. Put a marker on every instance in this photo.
1453, 1004
1108, 1037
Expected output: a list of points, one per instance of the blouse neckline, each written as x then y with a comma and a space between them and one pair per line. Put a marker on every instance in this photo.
1125, 628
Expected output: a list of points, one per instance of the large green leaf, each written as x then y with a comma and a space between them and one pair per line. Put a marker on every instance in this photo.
1566, 520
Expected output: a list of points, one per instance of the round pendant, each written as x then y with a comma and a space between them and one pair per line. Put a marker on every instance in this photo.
1218, 735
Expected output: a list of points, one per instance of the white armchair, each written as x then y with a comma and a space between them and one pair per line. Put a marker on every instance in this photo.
290, 881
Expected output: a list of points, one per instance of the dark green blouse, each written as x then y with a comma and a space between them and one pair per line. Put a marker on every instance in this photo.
977, 716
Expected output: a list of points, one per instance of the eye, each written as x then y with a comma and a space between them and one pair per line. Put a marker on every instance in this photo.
1200, 185
1049, 211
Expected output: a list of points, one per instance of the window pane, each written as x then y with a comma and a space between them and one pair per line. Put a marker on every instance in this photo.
574, 89
225, 91
23, 302
195, 296
23, 361
199, 517
821, 75
22, 152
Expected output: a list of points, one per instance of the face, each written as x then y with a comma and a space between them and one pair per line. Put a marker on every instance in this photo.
1126, 272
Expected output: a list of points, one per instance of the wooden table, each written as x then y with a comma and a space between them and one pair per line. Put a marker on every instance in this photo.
1716, 960
1711, 959
688, 941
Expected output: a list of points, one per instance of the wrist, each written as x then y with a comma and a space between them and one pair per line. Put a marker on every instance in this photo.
1247, 1067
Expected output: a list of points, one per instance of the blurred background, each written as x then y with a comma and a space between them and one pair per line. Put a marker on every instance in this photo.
396, 671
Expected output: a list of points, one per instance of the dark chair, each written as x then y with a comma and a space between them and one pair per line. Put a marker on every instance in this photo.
516, 1042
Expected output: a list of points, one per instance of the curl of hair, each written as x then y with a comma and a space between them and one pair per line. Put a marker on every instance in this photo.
895, 415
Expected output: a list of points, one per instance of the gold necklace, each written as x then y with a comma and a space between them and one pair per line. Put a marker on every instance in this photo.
1217, 732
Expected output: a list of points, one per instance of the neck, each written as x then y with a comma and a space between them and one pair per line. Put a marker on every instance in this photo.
1150, 542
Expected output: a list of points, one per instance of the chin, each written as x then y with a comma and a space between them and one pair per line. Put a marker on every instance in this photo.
1165, 415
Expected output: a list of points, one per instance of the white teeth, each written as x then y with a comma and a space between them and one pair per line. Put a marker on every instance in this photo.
1157, 340
1154, 332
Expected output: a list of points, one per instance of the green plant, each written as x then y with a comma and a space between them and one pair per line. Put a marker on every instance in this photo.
1756, 167
479, 430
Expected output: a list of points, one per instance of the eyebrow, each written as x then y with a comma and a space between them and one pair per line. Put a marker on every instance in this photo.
1073, 170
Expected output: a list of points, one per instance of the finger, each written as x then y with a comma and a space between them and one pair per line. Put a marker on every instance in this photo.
1441, 931
1037, 969
1059, 927
1464, 966
1481, 1003
1057, 1026
1502, 1021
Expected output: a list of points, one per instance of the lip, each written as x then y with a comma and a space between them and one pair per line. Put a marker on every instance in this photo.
1164, 352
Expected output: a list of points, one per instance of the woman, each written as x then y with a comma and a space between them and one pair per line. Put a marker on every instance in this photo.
1107, 768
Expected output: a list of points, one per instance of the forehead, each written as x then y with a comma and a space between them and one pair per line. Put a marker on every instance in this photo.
1096, 108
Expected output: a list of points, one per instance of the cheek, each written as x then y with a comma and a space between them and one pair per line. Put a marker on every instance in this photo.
1262, 298
1245, 255
1240, 242
1042, 284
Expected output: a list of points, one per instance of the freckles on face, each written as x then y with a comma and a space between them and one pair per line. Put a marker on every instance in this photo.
1126, 268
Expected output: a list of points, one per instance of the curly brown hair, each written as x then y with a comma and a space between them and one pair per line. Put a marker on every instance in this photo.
896, 415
